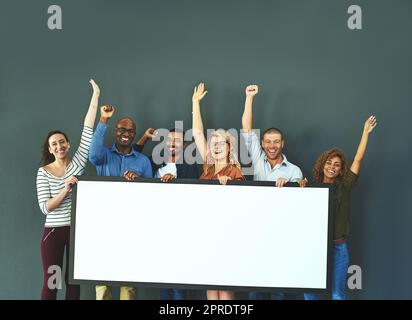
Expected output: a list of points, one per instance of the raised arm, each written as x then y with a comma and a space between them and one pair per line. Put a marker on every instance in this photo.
197, 123
247, 118
370, 124
97, 150
91, 113
149, 134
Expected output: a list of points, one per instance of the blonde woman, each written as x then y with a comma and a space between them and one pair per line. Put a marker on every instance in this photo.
220, 161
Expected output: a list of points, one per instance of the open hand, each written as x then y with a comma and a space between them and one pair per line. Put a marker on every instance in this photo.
370, 124
199, 92
96, 89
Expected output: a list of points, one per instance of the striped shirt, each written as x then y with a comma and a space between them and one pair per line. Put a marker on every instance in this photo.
49, 186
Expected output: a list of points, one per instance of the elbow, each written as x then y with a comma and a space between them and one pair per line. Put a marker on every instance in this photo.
245, 125
45, 209
93, 158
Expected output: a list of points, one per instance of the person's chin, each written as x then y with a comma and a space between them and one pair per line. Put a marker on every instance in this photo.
124, 145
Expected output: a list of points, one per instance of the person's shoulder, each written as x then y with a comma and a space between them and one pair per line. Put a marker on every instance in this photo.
143, 157
235, 171
292, 165
350, 179
42, 170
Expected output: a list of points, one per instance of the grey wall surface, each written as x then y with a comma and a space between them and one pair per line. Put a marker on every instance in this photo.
318, 81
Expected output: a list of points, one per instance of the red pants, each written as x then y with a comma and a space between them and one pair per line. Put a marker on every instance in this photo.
53, 243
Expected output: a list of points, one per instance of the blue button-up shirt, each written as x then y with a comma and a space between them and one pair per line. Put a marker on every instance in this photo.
109, 162
263, 171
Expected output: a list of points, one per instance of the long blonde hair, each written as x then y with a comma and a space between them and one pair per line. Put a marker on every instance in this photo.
209, 164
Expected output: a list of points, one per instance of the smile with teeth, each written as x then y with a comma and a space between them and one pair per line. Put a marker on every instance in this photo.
123, 139
331, 171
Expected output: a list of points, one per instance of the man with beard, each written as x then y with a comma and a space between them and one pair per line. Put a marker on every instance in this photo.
173, 166
118, 161
269, 163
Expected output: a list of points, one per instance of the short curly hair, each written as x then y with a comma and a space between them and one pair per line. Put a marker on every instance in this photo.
320, 164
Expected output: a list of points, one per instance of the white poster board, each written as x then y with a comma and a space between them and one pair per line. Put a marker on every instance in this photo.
200, 235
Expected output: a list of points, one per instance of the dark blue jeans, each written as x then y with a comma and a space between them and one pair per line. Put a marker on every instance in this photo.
340, 271
172, 294
253, 295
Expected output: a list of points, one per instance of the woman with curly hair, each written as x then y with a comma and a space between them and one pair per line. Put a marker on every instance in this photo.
220, 162
331, 167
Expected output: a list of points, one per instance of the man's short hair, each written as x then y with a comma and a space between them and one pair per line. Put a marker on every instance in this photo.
177, 130
126, 118
273, 130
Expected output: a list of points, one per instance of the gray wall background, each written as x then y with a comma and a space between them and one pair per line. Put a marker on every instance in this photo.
318, 80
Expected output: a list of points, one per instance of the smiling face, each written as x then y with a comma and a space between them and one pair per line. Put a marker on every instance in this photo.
219, 148
272, 144
124, 133
332, 169
58, 146
175, 143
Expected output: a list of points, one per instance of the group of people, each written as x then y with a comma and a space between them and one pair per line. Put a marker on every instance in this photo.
57, 176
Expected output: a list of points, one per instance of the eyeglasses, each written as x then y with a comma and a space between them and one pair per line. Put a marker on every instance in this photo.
124, 130
219, 144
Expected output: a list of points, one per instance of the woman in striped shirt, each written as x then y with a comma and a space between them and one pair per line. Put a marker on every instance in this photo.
54, 184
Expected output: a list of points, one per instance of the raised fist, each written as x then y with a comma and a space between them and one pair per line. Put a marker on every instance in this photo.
252, 90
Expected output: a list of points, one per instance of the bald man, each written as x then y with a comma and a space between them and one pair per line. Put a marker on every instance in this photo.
118, 161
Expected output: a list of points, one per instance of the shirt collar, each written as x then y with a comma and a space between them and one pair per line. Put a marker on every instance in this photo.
284, 162
132, 152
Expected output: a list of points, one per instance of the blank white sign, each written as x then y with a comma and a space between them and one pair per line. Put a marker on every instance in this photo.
198, 234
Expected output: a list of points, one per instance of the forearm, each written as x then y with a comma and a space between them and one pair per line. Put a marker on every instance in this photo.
198, 130
91, 113
142, 141
247, 118
197, 117
53, 203
360, 153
